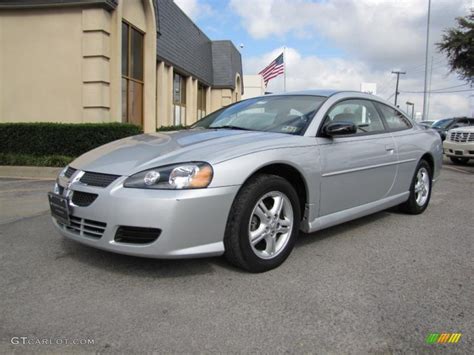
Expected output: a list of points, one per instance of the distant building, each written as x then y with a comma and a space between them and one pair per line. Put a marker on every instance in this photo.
369, 88
253, 86
138, 61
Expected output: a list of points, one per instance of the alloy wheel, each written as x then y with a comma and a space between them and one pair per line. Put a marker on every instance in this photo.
270, 225
422, 187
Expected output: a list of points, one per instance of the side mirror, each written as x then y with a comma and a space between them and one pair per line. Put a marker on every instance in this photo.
456, 126
339, 128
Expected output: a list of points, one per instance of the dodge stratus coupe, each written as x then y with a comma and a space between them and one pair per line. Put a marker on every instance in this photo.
244, 180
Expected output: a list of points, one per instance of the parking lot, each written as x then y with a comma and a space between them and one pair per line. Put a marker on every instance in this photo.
379, 284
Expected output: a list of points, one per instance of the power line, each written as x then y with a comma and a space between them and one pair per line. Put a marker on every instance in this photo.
388, 98
450, 87
419, 68
435, 92
385, 85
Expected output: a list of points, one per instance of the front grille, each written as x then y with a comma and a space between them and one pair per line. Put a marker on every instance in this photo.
97, 179
136, 235
83, 199
69, 172
86, 227
461, 137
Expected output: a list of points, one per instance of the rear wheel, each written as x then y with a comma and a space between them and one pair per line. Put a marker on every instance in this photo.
459, 161
263, 224
420, 190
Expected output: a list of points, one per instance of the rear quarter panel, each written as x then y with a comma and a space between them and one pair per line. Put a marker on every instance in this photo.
411, 146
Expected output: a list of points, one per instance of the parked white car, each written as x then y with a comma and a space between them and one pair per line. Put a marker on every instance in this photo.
459, 144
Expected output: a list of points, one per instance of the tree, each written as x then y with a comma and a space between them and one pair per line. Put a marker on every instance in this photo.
458, 45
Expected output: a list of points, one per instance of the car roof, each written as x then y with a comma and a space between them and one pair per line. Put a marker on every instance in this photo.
323, 93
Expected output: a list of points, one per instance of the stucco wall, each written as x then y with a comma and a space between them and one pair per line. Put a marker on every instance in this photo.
41, 66
64, 65
253, 86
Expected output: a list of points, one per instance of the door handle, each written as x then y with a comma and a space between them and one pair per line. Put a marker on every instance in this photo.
389, 148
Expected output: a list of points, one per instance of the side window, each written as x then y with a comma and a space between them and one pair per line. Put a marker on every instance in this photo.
465, 122
360, 112
395, 120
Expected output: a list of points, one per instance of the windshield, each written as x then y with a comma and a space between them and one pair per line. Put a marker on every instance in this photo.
282, 114
442, 123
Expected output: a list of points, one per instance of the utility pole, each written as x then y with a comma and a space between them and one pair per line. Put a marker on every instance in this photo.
398, 72
425, 91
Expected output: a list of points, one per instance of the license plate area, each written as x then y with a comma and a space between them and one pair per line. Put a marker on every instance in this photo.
458, 152
60, 208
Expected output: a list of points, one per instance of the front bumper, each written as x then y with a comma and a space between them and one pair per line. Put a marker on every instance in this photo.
192, 222
460, 150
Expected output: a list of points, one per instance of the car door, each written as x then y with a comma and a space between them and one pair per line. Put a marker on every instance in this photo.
356, 169
407, 154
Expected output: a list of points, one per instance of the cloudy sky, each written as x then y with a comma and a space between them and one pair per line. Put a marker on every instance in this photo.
341, 43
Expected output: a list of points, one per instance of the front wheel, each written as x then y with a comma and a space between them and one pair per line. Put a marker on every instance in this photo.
459, 161
263, 224
420, 190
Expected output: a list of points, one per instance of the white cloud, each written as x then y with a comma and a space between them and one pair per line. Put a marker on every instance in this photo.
381, 31
194, 8
376, 37
313, 72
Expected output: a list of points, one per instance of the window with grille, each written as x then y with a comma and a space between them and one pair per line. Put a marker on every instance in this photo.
179, 99
132, 74
201, 101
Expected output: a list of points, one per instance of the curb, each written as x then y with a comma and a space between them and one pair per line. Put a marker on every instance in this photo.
29, 172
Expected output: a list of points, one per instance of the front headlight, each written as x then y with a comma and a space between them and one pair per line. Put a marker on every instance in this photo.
62, 173
173, 177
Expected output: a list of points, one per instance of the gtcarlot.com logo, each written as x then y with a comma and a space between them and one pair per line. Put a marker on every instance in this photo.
50, 341
443, 338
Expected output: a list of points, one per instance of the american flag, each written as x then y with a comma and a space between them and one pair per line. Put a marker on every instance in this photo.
273, 69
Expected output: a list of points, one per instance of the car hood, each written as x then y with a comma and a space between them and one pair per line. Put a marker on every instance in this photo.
133, 154
467, 129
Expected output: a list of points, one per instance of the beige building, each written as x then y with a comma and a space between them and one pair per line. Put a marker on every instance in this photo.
138, 61
253, 86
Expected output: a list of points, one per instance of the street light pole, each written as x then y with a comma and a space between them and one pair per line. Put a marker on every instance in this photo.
398, 72
425, 91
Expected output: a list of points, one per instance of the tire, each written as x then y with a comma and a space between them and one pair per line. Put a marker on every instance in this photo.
246, 219
420, 190
459, 161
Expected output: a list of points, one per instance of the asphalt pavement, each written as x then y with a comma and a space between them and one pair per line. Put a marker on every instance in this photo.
376, 285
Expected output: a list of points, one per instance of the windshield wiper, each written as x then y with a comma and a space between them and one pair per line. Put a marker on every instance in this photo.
232, 127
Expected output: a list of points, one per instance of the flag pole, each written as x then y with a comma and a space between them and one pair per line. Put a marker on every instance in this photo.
284, 69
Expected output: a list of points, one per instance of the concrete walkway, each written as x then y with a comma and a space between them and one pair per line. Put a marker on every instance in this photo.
29, 172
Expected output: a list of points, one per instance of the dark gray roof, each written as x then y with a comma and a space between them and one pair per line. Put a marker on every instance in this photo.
226, 63
18, 4
182, 44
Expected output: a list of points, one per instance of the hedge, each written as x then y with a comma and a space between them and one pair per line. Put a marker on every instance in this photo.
171, 128
34, 160
59, 139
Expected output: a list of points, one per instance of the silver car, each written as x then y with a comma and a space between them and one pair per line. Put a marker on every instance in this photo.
243, 181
